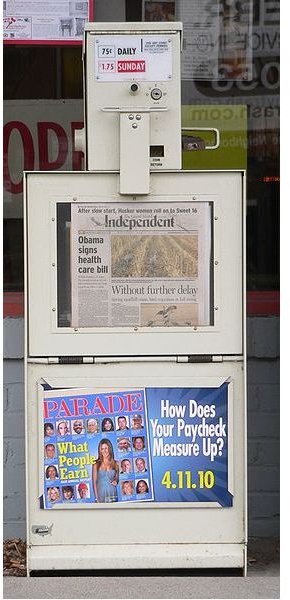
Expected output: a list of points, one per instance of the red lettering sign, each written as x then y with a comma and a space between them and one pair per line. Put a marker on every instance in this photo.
27, 150
131, 66
45, 129
77, 155
36, 152
79, 406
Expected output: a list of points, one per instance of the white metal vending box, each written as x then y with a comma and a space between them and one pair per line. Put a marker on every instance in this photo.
133, 459
132, 78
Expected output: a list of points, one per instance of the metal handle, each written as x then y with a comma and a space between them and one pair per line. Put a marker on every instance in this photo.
133, 109
216, 131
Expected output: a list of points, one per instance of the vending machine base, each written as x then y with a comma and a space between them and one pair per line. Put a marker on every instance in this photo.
194, 519
149, 556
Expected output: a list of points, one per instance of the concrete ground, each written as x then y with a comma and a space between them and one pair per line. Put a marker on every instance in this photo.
262, 581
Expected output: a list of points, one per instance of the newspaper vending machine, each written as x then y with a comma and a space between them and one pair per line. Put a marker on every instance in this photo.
135, 331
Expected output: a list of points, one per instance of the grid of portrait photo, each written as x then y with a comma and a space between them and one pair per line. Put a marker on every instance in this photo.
101, 458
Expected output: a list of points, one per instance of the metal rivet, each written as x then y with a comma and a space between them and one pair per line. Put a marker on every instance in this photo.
75, 329
53, 309
131, 117
74, 198
53, 264
216, 307
135, 328
216, 262
216, 218
53, 219
134, 125
195, 328
138, 117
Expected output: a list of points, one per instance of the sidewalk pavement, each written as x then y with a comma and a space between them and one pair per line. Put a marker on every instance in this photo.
173, 586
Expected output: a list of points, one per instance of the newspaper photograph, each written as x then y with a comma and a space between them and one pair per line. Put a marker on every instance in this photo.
140, 265
34, 20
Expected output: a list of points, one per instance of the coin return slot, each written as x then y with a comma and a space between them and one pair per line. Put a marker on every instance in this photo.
156, 151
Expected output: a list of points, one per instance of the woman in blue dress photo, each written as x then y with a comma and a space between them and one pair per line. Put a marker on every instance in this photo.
105, 474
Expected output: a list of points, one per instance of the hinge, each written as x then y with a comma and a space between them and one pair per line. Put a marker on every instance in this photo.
62, 360
199, 358
75, 360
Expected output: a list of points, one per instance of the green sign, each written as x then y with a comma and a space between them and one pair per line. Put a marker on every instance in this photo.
230, 120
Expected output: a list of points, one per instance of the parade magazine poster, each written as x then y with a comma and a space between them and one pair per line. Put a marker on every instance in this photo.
137, 445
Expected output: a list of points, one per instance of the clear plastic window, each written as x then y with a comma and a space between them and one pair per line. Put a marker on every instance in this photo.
135, 265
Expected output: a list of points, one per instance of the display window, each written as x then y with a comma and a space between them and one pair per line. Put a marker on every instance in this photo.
141, 265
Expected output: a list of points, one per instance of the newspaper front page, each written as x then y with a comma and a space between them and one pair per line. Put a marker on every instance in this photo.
140, 265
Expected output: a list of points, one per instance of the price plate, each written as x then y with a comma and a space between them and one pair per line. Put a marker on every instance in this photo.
127, 57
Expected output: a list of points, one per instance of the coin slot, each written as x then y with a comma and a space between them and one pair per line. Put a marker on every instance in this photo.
156, 151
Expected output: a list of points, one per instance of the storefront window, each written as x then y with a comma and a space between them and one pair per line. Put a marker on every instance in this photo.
230, 57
